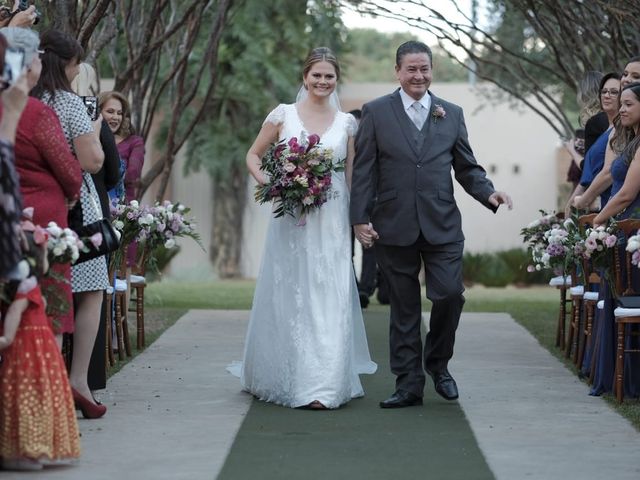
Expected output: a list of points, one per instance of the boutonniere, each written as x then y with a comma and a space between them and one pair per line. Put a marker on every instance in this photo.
438, 112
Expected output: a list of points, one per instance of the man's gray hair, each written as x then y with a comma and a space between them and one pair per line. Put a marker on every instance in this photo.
22, 38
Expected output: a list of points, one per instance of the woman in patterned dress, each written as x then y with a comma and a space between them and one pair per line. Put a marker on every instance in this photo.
62, 54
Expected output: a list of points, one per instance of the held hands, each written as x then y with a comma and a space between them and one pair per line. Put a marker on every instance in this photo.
498, 198
365, 234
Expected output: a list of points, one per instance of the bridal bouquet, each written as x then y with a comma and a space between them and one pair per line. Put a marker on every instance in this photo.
300, 176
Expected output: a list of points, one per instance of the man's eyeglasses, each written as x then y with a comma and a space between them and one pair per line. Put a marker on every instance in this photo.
609, 91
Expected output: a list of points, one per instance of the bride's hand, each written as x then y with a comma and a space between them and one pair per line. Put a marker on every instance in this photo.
365, 234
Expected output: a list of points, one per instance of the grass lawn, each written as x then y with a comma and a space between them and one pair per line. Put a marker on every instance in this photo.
535, 308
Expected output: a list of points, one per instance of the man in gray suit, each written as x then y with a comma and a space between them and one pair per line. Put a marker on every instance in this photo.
402, 199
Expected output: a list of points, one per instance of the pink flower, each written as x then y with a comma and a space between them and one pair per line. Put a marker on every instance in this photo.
610, 241
96, 239
278, 150
313, 139
28, 213
438, 112
531, 268
40, 235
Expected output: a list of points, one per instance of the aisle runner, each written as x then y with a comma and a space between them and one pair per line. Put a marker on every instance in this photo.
359, 440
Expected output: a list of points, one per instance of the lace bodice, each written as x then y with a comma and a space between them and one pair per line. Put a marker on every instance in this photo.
344, 125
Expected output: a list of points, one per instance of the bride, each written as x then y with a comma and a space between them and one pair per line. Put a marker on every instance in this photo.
306, 344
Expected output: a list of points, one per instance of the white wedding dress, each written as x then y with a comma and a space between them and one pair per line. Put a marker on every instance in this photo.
306, 339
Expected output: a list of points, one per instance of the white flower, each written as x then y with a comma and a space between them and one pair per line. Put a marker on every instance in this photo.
118, 224
301, 180
633, 244
534, 224
58, 251
23, 269
54, 229
134, 203
170, 243
181, 208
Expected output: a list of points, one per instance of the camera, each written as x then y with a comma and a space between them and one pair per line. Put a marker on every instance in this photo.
22, 6
92, 107
13, 65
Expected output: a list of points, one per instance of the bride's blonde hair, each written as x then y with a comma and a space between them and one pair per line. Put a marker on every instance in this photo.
321, 54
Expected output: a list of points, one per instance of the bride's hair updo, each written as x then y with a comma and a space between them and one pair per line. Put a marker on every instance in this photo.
321, 54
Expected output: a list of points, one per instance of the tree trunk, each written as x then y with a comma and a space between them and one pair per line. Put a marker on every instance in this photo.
229, 201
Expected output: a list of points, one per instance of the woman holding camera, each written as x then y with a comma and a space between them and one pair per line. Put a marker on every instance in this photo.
62, 54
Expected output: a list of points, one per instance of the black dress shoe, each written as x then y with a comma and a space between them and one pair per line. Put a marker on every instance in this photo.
445, 384
401, 399
364, 300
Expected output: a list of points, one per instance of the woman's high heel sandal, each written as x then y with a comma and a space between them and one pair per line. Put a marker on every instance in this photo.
87, 407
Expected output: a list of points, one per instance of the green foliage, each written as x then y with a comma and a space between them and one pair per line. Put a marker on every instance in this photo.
259, 65
507, 267
372, 54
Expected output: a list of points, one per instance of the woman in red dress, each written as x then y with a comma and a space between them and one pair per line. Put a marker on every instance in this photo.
37, 415
50, 176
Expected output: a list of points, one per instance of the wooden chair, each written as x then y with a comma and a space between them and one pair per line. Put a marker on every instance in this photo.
576, 294
137, 284
589, 299
624, 289
562, 283
116, 298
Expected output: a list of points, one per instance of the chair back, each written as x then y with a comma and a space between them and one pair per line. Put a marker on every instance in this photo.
622, 267
590, 274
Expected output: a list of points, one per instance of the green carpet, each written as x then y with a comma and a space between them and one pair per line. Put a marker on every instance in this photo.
359, 440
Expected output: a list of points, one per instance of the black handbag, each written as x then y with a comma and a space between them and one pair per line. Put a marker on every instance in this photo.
110, 239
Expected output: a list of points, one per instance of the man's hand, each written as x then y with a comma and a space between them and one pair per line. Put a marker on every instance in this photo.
365, 234
498, 198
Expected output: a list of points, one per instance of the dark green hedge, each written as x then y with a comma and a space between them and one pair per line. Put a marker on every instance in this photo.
501, 268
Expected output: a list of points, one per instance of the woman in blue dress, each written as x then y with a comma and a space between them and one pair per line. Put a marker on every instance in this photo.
623, 203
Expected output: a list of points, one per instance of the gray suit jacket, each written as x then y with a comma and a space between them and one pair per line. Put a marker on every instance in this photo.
404, 189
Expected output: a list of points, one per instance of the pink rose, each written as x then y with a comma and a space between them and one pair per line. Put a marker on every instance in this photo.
28, 213
96, 239
610, 241
40, 235
313, 139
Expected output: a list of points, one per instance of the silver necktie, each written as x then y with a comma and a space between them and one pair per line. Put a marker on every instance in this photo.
418, 114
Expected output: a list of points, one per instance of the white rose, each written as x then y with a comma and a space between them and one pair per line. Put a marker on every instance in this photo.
118, 224
134, 203
54, 230
57, 251
534, 224
170, 243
